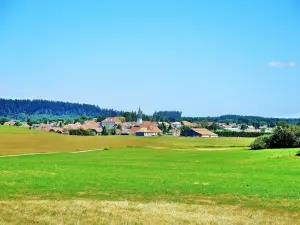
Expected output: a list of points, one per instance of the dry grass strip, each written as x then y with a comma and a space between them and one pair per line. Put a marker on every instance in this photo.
112, 212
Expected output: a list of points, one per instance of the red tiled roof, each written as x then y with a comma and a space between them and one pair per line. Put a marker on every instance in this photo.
134, 129
91, 124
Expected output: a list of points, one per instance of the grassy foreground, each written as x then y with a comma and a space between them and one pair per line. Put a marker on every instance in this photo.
159, 180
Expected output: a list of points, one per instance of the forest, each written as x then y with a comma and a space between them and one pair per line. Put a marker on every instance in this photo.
22, 109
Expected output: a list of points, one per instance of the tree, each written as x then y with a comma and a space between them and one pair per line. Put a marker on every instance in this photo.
169, 128
113, 131
68, 121
163, 127
256, 124
282, 124
184, 130
3, 120
204, 124
18, 123
79, 120
298, 124
244, 126
104, 131
128, 116
213, 126
101, 118
119, 127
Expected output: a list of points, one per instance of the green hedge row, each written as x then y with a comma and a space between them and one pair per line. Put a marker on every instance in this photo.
80, 132
238, 134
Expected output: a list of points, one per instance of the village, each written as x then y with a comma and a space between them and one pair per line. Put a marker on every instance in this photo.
119, 126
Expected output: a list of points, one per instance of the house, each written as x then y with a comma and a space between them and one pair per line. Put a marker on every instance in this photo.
145, 129
12, 123
91, 124
186, 123
174, 132
176, 125
71, 126
59, 130
110, 122
134, 129
128, 125
148, 131
45, 127
199, 132
148, 123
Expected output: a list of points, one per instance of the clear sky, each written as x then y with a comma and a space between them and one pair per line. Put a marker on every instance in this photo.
202, 57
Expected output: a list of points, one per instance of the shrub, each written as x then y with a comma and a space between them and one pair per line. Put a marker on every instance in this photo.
298, 153
80, 132
225, 133
261, 142
297, 143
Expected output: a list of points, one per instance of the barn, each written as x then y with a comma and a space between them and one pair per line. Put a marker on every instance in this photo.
198, 132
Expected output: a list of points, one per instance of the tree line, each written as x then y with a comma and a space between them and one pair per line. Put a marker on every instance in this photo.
20, 109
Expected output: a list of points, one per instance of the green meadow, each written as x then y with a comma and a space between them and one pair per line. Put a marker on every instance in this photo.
192, 171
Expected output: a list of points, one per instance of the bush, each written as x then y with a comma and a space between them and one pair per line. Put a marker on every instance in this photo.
225, 133
298, 153
80, 132
261, 142
297, 143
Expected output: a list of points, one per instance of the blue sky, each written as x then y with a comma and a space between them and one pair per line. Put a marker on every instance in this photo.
204, 58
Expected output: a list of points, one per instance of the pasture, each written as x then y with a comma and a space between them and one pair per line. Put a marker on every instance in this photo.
183, 180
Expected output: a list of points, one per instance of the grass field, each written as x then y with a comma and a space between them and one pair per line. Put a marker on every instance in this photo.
159, 180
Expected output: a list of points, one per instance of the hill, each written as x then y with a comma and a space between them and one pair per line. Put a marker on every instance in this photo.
18, 109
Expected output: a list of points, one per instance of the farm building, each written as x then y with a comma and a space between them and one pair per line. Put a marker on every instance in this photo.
199, 132
148, 131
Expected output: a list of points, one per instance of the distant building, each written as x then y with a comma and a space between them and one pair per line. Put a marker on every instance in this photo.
110, 122
12, 123
174, 132
176, 125
199, 132
186, 123
148, 131
139, 116
91, 124
45, 127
